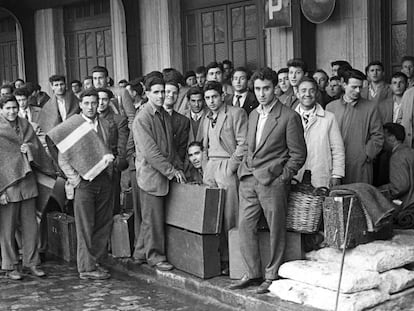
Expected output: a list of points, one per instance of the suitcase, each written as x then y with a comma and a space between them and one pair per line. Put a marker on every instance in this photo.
335, 215
294, 251
122, 235
193, 253
196, 208
62, 241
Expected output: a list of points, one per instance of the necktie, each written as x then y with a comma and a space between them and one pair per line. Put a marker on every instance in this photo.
237, 103
26, 116
305, 118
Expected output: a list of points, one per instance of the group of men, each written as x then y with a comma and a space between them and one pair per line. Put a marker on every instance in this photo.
247, 135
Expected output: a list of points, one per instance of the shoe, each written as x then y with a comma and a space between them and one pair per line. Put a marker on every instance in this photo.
37, 272
94, 275
14, 275
245, 282
101, 268
139, 261
164, 266
264, 287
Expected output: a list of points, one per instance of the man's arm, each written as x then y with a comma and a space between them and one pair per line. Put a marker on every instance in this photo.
240, 123
70, 173
337, 150
376, 137
123, 133
399, 177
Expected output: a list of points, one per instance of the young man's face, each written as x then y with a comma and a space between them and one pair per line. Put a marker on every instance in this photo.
10, 110
307, 95
59, 87
18, 84
191, 81
264, 91
103, 101
215, 74
5, 91
295, 75
213, 100
375, 73
201, 79
283, 79
89, 106
100, 80
156, 94
335, 88
407, 67
239, 81
353, 88
195, 156
398, 86
335, 70
22, 101
321, 79
87, 84
171, 95
196, 103
76, 88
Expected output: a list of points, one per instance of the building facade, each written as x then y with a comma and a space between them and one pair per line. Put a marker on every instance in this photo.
133, 37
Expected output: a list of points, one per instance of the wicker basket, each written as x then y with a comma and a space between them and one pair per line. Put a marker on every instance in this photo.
305, 209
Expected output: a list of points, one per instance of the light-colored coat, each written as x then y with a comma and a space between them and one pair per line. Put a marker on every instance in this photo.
154, 150
232, 126
325, 148
407, 103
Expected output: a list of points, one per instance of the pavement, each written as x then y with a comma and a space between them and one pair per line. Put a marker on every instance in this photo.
63, 290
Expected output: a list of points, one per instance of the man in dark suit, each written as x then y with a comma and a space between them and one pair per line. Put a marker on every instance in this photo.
276, 151
225, 130
156, 164
60, 107
30, 113
180, 124
93, 193
377, 89
196, 114
119, 129
401, 182
390, 108
242, 97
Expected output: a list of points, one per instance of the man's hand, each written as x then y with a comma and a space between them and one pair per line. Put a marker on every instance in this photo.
333, 181
3, 199
179, 176
24, 148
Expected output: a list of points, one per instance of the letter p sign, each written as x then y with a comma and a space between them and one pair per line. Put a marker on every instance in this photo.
274, 6
277, 13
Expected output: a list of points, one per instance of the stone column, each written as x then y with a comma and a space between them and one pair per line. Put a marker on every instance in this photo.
50, 45
160, 34
119, 42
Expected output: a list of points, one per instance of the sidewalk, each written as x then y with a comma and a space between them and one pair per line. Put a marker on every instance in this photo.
217, 289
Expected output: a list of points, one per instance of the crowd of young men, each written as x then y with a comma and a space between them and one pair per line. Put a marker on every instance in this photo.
215, 126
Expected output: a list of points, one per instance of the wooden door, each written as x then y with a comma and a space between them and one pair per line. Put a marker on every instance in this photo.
8, 50
88, 38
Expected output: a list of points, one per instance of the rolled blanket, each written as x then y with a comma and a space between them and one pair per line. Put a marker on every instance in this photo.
80, 144
405, 219
376, 207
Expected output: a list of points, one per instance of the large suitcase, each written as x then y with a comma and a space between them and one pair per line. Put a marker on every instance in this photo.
335, 216
193, 253
294, 251
122, 236
62, 236
196, 208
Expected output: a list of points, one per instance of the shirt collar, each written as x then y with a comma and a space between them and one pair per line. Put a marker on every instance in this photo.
347, 100
264, 111
90, 121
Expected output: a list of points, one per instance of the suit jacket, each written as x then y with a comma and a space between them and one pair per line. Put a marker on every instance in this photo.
401, 185
408, 115
282, 149
289, 99
123, 104
118, 126
232, 126
386, 110
199, 136
181, 128
155, 154
50, 117
383, 93
34, 112
250, 102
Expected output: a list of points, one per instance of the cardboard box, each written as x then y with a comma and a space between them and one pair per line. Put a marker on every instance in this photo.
194, 253
196, 208
294, 251
61, 234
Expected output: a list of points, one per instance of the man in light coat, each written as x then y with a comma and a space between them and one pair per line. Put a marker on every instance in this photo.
325, 147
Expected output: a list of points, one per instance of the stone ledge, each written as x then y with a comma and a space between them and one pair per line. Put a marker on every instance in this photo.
215, 288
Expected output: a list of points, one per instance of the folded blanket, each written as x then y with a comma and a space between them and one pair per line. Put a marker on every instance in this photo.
80, 144
376, 207
15, 165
